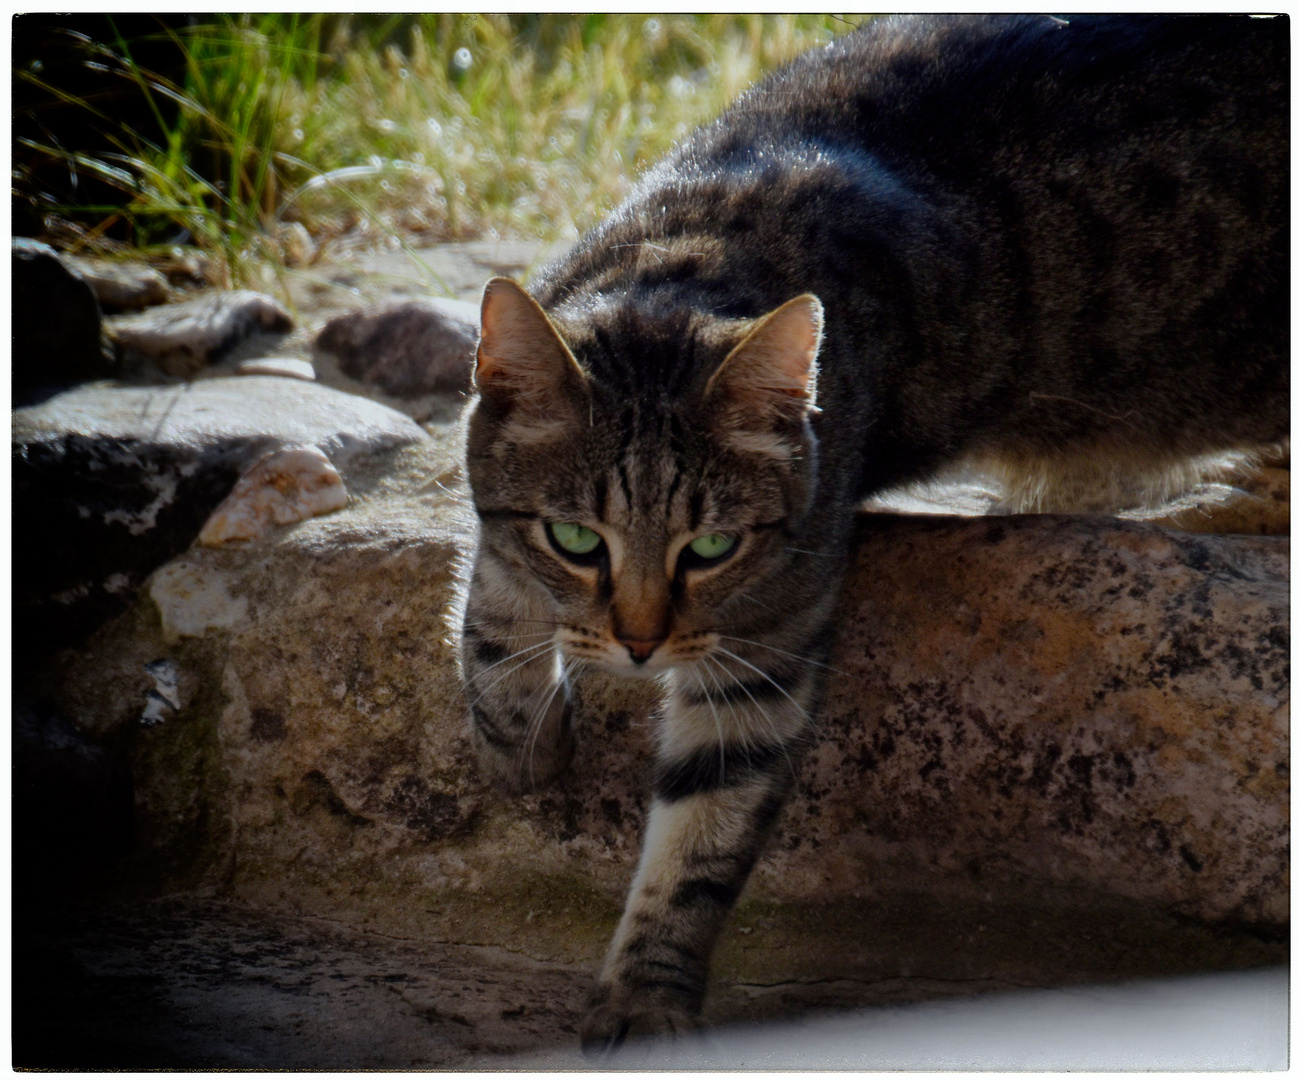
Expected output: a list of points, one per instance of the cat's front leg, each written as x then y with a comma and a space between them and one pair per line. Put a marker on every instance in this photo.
725, 767
519, 712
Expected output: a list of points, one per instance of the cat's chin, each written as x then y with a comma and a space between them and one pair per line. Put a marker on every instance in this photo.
645, 671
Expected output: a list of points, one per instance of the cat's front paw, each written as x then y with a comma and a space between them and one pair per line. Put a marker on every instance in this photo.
616, 1014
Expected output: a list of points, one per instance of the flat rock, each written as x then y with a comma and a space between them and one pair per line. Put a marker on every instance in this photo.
56, 324
1040, 734
407, 351
189, 983
181, 339
111, 482
121, 286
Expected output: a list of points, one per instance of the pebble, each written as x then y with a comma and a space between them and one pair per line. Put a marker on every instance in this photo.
285, 366
284, 487
120, 286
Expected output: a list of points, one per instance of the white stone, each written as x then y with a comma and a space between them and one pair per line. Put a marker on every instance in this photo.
284, 487
192, 600
164, 699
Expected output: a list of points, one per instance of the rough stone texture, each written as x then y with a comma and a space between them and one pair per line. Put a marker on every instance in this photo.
1055, 750
110, 482
56, 324
405, 351
1089, 704
1096, 701
181, 339
282, 488
121, 286
1235, 497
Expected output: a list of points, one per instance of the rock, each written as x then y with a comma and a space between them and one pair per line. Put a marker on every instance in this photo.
56, 325
1078, 723
182, 339
121, 286
72, 802
111, 482
285, 366
296, 245
1097, 701
284, 487
406, 352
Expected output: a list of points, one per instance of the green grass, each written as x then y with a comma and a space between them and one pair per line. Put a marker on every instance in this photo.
375, 129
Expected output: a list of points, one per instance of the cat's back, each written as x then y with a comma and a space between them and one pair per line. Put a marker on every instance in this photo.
982, 126
933, 93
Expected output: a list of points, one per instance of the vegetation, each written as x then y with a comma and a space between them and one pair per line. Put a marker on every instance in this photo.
364, 127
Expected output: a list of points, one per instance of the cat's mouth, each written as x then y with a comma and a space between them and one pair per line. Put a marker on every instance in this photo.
636, 659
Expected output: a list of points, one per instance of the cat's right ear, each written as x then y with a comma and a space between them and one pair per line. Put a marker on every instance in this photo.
522, 360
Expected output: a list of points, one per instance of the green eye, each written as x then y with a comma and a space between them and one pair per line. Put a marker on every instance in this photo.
712, 546
574, 538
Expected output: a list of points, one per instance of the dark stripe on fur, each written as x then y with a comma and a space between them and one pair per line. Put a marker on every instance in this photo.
489, 513
490, 732
712, 768
704, 892
485, 651
738, 693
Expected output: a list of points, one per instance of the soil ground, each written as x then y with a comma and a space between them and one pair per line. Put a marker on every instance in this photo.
187, 983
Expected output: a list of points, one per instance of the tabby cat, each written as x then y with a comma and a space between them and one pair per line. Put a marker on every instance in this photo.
1058, 247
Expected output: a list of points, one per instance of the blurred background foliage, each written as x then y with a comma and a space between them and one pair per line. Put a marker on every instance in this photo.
220, 130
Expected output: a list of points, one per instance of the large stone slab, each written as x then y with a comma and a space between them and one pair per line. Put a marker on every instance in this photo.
1092, 700
110, 482
1068, 719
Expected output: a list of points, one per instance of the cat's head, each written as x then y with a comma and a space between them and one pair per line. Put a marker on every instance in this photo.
641, 476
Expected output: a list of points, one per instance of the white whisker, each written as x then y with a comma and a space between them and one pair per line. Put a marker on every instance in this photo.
793, 656
772, 729
754, 667
533, 649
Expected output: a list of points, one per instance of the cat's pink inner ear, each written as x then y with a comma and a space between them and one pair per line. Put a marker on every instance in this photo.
519, 350
777, 360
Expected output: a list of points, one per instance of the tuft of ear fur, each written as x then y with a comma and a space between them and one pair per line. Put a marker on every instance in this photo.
522, 359
769, 378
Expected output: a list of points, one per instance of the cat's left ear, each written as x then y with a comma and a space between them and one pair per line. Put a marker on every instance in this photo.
771, 374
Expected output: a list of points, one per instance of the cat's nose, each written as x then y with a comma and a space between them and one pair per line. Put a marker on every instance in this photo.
640, 650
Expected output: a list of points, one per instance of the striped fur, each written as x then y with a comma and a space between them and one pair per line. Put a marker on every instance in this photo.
1059, 246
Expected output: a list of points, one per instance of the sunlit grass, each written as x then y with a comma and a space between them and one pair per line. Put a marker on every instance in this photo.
427, 127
